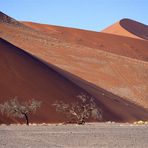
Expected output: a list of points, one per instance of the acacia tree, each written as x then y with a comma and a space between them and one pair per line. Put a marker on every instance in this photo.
84, 108
21, 110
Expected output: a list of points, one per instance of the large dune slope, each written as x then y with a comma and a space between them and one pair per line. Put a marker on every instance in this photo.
26, 77
117, 67
129, 28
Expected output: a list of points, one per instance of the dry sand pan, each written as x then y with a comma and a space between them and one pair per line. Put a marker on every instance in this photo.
95, 135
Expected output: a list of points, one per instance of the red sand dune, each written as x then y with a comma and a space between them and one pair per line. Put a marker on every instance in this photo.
106, 66
129, 28
112, 43
26, 77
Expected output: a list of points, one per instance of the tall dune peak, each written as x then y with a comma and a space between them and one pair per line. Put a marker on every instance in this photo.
130, 28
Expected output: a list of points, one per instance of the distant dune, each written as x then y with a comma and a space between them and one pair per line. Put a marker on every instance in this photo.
111, 43
111, 68
129, 28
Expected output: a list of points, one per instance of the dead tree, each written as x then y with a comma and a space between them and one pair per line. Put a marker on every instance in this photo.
84, 108
21, 110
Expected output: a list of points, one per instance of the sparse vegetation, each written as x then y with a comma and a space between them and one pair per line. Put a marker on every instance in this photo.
21, 110
140, 122
81, 110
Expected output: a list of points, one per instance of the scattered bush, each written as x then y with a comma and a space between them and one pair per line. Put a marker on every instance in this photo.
141, 122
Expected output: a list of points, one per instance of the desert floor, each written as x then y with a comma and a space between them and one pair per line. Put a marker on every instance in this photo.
94, 135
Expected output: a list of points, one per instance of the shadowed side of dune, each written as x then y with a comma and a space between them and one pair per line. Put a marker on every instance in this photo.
26, 77
6, 19
135, 28
11, 21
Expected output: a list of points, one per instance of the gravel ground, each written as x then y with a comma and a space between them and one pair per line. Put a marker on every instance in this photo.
95, 135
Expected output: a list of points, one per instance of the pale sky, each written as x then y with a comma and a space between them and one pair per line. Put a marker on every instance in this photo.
84, 14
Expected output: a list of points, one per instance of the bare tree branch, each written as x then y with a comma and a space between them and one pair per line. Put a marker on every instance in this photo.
84, 108
21, 110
